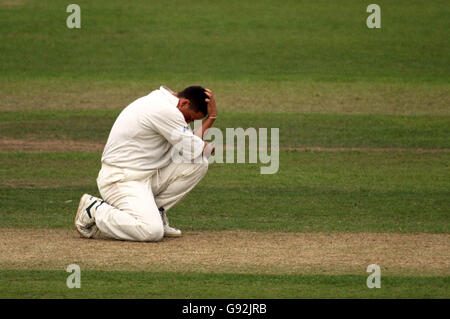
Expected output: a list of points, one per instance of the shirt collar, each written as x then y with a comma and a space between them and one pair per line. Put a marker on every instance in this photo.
168, 93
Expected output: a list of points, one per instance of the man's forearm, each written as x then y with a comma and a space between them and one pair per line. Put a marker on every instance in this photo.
206, 124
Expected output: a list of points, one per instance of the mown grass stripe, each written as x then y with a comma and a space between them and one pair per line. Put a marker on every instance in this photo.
129, 284
295, 130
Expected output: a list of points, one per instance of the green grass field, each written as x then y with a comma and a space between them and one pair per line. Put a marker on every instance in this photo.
364, 143
121, 284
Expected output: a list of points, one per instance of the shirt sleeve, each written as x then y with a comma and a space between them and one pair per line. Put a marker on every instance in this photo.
177, 132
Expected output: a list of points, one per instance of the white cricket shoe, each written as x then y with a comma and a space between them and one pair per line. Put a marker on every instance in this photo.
85, 218
169, 231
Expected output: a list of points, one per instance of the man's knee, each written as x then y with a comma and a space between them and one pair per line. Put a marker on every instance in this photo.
150, 233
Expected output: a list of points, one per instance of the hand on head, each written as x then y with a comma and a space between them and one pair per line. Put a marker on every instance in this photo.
211, 107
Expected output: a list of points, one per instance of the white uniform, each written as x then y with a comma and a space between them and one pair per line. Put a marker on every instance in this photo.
138, 175
145, 131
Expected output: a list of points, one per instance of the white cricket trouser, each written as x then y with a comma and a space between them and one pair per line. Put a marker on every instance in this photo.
134, 198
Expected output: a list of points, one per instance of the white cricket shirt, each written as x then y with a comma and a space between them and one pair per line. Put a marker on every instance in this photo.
145, 132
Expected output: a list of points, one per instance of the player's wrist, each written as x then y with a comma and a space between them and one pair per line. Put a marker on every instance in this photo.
212, 116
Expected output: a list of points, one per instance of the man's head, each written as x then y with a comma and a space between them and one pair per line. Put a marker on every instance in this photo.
192, 103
